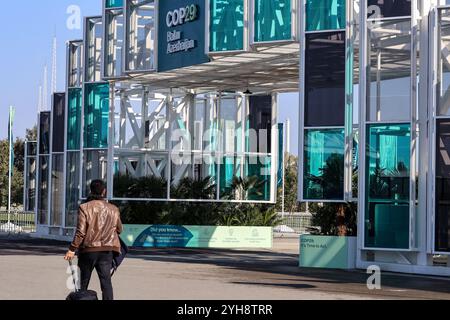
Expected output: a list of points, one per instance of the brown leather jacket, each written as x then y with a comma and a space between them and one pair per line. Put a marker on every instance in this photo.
98, 228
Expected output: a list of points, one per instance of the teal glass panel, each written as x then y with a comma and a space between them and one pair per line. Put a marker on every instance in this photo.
325, 15
388, 192
227, 25
96, 115
324, 164
74, 119
258, 176
273, 20
230, 179
114, 3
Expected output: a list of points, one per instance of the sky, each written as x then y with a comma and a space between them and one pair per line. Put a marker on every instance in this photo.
26, 35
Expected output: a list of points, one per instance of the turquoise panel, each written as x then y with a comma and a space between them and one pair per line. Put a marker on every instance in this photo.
325, 15
388, 191
74, 119
227, 25
96, 115
273, 20
114, 3
324, 164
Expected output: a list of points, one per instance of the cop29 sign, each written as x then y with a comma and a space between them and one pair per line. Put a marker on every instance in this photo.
181, 34
181, 16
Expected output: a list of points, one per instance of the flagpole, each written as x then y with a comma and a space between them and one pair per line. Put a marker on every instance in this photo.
9, 166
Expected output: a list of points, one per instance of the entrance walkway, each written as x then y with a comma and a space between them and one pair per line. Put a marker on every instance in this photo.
35, 269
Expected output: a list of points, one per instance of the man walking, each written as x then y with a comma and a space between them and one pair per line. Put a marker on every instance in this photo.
97, 239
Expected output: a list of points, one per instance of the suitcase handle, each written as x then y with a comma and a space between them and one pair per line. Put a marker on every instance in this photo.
73, 276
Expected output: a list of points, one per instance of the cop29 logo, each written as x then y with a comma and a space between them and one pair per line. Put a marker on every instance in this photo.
182, 15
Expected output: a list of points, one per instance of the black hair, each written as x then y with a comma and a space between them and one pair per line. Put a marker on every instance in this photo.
97, 189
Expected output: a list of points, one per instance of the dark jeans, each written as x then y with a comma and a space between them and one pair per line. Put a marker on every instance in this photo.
102, 262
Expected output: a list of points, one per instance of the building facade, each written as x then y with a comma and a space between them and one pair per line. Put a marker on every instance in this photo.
163, 91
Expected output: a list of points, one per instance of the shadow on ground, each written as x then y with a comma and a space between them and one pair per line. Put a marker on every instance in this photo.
262, 268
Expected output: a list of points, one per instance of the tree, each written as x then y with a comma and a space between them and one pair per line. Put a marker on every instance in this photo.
17, 174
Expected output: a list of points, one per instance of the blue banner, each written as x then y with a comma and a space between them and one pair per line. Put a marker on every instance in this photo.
181, 41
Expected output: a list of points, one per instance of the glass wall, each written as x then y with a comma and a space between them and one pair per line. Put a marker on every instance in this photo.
443, 94
59, 103
57, 190
324, 164
93, 49
140, 35
226, 25
325, 79
75, 63
273, 20
74, 118
324, 103
95, 165
30, 176
389, 90
442, 196
96, 115
388, 8
195, 145
389, 138
44, 133
114, 44
387, 222
113, 3
325, 15
43, 189
72, 188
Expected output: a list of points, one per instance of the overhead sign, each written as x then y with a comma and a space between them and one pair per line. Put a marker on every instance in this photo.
162, 236
181, 34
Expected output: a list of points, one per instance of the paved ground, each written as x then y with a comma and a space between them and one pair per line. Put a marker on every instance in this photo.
35, 269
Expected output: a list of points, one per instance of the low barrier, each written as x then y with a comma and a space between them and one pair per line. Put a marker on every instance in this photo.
17, 222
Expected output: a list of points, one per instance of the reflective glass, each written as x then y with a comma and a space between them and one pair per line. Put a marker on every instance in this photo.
230, 178
72, 188
259, 124
96, 115
325, 15
57, 193
43, 189
31, 148
257, 173
388, 186
74, 118
141, 175
30, 184
443, 74
324, 164
93, 50
389, 78
44, 133
388, 8
226, 25
443, 187
114, 3
140, 33
325, 79
59, 115
95, 164
75, 73
273, 20
193, 176
114, 43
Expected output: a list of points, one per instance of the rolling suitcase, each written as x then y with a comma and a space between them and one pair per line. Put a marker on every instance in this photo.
79, 295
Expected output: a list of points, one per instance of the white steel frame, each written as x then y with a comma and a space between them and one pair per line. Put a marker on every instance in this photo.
302, 127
